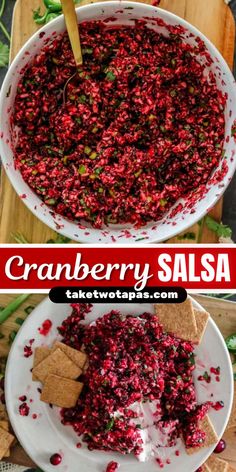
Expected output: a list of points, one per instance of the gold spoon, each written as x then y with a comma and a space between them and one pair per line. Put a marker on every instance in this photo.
68, 8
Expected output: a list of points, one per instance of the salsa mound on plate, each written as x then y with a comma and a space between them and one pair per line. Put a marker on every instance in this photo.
142, 124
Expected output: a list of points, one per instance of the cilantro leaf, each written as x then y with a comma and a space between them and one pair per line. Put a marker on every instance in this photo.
218, 228
37, 14
4, 54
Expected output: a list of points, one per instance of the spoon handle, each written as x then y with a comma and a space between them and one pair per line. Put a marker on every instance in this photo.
68, 8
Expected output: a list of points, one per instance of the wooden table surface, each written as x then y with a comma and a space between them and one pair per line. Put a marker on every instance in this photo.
212, 17
223, 312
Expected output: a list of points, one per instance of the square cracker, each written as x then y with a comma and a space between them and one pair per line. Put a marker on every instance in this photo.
78, 357
217, 465
57, 363
232, 419
201, 318
178, 318
40, 354
60, 391
205, 468
6, 440
211, 436
5, 425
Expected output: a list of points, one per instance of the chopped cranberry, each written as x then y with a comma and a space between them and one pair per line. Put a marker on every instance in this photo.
131, 359
218, 405
220, 447
28, 351
23, 398
78, 445
215, 370
34, 416
24, 409
45, 328
160, 463
112, 466
55, 459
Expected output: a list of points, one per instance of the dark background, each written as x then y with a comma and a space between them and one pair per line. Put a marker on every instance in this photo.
229, 212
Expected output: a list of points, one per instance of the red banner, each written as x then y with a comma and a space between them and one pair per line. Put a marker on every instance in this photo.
193, 267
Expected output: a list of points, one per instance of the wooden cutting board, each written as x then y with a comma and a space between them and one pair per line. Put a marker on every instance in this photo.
212, 17
223, 312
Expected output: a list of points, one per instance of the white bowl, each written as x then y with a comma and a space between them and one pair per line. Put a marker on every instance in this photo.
124, 12
46, 435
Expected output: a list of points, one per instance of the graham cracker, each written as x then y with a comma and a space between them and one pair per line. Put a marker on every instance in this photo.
5, 425
201, 318
40, 354
211, 436
78, 357
217, 465
231, 469
60, 391
232, 419
178, 318
57, 363
6, 440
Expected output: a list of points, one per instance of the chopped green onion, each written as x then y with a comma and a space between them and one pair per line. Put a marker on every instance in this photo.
163, 202
51, 201
82, 98
87, 150
87, 51
110, 424
137, 174
173, 93
110, 76
82, 169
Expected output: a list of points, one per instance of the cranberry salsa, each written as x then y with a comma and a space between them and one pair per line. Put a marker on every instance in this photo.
138, 385
141, 127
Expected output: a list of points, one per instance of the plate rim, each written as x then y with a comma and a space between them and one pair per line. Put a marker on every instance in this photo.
10, 406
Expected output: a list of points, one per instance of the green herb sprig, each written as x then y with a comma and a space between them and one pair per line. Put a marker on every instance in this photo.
218, 228
4, 47
53, 9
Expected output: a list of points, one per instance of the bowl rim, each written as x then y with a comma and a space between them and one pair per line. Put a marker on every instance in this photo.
96, 233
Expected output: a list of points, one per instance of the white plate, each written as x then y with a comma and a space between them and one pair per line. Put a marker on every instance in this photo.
169, 226
45, 435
